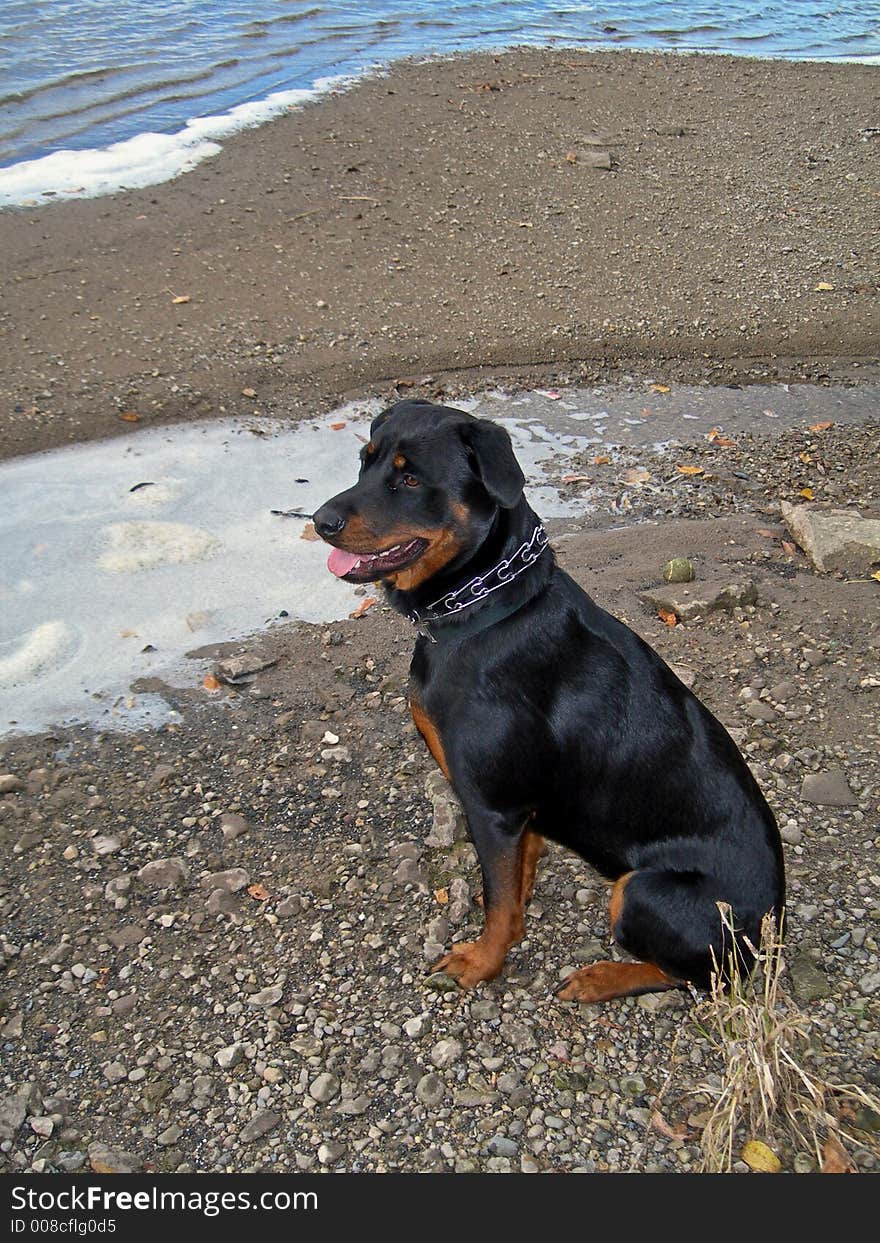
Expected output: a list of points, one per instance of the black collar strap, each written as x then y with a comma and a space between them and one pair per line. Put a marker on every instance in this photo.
478, 588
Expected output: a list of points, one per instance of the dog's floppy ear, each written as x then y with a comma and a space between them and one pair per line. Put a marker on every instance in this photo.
493, 461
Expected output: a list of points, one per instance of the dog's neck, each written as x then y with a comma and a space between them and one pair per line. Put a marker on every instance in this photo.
509, 567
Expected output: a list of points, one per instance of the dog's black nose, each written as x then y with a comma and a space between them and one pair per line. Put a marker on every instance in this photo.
328, 521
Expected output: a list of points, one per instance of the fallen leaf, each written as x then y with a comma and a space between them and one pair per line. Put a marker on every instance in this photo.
805, 458
211, 683
659, 388
180, 300
690, 470
876, 575
835, 1158
671, 619
659, 1123
575, 478
766, 533
248, 392
821, 427
363, 606
337, 427
636, 475
716, 437
260, 892
129, 416
806, 493
823, 287
571, 156
309, 532
442, 896
128, 634
760, 1158
601, 461
788, 547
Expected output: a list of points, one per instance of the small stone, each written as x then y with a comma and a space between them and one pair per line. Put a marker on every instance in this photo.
330, 1152
870, 983
808, 982
324, 1088
230, 1056
430, 1090
10, 784
164, 873
791, 833
106, 1160
115, 1072
231, 880
42, 1126
261, 1124
761, 712
70, 853
170, 1135
518, 1035
266, 996
221, 902
290, 906
828, 789
501, 1146
417, 1026
105, 845
446, 1053
232, 826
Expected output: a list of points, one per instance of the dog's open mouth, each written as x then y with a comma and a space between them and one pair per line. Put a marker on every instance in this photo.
366, 567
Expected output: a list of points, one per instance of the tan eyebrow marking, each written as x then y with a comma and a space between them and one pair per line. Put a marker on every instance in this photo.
399, 461
370, 449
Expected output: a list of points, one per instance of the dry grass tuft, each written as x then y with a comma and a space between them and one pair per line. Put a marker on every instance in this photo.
766, 1093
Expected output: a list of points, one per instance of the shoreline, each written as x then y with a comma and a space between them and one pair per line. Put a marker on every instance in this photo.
315, 252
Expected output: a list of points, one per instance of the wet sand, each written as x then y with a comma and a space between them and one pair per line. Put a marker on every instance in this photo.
454, 225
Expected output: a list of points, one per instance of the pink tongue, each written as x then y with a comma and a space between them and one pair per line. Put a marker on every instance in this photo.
340, 562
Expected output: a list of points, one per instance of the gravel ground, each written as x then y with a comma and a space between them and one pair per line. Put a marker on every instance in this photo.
216, 937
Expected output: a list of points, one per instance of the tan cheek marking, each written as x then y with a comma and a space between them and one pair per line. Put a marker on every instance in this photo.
440, 552
358, 537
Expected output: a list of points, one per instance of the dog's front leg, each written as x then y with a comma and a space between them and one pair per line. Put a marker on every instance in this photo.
508, 854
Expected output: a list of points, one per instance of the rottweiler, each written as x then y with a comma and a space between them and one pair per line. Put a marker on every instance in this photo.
551, 718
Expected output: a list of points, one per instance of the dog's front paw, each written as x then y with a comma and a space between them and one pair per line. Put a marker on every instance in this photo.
469, 962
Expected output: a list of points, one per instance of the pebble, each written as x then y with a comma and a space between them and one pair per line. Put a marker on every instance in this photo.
261, 1124
828, 789
10, 784
164, 873
446, 1053
330, 1152
232, 826
229, 1057
324, 1088
231, 880
106, 1160
266, 996
431, 1090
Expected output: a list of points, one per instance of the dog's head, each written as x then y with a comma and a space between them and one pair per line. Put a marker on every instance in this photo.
431, 480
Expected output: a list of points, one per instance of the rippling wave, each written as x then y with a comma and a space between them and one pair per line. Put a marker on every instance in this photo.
85, 74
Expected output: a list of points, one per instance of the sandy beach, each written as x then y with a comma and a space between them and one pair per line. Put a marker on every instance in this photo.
216, 935
460, 223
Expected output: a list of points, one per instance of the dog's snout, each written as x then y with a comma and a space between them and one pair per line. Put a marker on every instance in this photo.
328, 521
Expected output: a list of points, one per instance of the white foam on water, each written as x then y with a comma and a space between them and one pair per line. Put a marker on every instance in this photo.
146, 159
102, 585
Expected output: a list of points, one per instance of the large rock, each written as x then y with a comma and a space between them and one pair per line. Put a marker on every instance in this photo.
449, 824
840, 540
692, 601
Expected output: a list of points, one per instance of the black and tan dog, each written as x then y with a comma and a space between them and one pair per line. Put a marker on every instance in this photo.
549, 717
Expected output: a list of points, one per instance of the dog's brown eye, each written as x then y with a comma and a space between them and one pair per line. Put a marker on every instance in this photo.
410, 481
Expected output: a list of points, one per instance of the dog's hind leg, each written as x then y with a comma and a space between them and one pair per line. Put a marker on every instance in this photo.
602, 981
